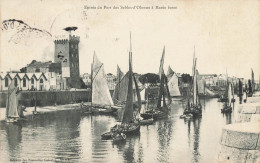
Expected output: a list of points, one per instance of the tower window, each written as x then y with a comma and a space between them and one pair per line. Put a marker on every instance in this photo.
15, 82
24, 82
6, 82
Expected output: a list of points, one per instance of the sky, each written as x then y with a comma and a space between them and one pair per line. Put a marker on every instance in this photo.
225, 35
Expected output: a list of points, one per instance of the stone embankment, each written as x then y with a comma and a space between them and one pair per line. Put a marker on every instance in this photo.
240, 142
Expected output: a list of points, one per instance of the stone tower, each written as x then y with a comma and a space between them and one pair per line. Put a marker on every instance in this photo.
67, 53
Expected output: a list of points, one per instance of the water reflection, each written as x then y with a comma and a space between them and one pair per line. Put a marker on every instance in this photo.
14, 138
68, 135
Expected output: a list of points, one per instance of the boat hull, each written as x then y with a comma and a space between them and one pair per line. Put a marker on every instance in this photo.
146, 121
227, 109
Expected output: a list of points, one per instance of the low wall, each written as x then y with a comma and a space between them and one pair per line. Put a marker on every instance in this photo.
239, 142
248, 112
48, 98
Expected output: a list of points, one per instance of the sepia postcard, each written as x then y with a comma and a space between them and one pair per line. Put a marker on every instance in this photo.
130, 81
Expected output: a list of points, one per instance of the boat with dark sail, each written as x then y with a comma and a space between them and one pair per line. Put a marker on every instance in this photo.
120, 92
227, 106
193, 109
251, 85
164, 99
126, 116
240, 91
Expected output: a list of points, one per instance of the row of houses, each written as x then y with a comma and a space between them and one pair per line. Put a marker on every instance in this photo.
32, 81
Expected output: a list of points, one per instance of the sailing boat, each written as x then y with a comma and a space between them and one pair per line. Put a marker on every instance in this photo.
162, 107
129, 124
251, 84
227, 107
120, 92
173, 83
101, 99
193, 110
224, 97
12, 104
240, 91
117, 93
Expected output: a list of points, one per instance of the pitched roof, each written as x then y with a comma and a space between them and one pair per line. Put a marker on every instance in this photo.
2, 75
37, 64
21, 75
30, 75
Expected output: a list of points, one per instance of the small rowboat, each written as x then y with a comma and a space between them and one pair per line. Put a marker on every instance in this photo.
119, 138
107, 135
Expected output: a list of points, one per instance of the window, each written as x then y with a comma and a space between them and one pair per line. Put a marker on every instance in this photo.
37, 70
72, 65
76, 46
71, 45
41, 81
15, 82
32, 81
24, 82
6, 82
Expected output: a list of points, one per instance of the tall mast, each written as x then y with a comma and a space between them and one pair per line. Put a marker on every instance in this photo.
91, 77
128, 112
195, 83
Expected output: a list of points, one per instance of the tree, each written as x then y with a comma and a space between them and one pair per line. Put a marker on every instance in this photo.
149, 78
186, 78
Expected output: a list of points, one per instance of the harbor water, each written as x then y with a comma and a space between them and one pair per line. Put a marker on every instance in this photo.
69, 136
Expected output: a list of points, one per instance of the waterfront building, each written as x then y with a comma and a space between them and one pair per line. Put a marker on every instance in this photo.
210, 79
25, 81
86, 77
111, 81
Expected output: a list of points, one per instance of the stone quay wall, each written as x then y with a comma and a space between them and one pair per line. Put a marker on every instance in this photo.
240, 142
49, 98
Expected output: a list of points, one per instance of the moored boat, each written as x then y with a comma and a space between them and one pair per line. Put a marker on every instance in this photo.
227, 106
164, 99
194, 108
12, 114
101, 100
126, 116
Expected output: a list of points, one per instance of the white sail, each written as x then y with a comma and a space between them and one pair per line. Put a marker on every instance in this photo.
100, 91
173, 86
142, 93
12, 103
229, 95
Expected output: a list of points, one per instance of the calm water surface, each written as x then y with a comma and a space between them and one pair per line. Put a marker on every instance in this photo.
68, 136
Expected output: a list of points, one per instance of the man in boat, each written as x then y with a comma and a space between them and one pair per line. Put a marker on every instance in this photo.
21, 109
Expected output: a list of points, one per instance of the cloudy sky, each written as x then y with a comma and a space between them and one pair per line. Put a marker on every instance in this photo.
225, 34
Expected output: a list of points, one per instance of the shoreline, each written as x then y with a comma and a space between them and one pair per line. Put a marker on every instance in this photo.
42, 110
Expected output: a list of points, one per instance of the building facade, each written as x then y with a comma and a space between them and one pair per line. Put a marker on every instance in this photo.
25, 81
